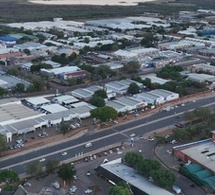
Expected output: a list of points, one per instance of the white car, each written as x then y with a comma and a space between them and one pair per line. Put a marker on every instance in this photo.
64, 153
132, 135
42, 160
88, 191
151, 139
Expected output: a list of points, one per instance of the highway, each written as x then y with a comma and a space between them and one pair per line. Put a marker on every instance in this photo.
115, 134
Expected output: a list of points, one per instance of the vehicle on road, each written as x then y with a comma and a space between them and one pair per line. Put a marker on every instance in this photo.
64, 153
88, 173
42, 160
132, 135
88, 145
176, 189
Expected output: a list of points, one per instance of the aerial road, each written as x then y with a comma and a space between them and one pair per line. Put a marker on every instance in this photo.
101, 139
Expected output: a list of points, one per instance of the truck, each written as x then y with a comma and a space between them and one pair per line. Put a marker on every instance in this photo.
176, 189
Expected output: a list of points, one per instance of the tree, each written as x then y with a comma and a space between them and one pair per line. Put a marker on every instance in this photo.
34, 168
147, 82
9, 176
51, 165
147, 40
27, 51
104, 114
20, 87
101, 93
3, 143
97, 101
120, 189
163, 178
66, 172
132, 67
133, 159
148, 165
38, 84
133, 88
64, 128
72, 81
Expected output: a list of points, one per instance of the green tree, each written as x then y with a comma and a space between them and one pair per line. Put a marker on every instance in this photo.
104, 114
163, 178
27, 51
133, 159
2, 91
101, 93
38, 84
147, 40
149, 165
97, 101
3, 143
132, 67
51, 165
120, 189
147, 82
34, 168
9, 176
64, 128
66, 172
72, 81
20, 87
133, 89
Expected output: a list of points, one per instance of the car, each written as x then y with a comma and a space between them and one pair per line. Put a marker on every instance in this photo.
64, 153
151, 139
166, 136
88, 173
27, 184
42, 160
75, 177
77, 124
72, 126
72, 189
88, 191
132, 135
88, 145
182, 104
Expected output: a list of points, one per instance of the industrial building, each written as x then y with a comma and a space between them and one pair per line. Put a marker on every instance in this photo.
115, 171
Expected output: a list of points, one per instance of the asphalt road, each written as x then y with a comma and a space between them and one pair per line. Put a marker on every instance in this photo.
101, 139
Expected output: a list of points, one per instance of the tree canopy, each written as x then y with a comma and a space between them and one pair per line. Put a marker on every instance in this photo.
104, 114
2, 142
133, 89
97, 101
64, 128
34, 168
67, 172
120, 189
132, 67
101, 93
9, 176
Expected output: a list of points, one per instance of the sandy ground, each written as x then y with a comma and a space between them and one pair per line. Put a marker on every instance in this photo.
89, 2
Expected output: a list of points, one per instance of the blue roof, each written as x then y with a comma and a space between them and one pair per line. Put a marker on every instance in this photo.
7, 38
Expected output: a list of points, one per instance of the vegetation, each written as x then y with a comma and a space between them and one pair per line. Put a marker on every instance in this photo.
64, 128
10, 178
120, 189
133, 89
132, 67
150, 168
2, 143
97, 101
67, 172
34, 168
51, 165
104, 114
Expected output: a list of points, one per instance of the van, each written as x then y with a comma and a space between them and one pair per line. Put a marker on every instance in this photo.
88, 145
176, 189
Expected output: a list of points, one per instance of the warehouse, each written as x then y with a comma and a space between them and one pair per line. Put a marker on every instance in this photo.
115, 171
53, 108
167, 95
149, 98
36, 102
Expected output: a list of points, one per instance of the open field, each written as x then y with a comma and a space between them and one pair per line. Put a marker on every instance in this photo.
23, 10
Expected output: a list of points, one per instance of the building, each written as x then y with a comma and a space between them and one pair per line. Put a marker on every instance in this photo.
115, 171
200, 78
149, 98
167, 95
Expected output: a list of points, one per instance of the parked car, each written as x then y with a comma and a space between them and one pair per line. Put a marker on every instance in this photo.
88, 191
77, 125
88, 173
56, 185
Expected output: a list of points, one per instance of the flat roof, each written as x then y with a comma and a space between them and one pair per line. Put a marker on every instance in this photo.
147, 95
82, 93
131, 176
66, 99
130, 101
37, 100
202, 152
14, 112
115, 104
53, 108
162, 92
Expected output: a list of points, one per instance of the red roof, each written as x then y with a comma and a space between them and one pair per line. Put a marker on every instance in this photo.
13, 54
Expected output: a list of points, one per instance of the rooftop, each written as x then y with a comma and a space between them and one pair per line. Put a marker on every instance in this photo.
129, 175
53, 108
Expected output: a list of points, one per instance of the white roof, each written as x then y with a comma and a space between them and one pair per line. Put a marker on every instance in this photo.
66, 99
131, 176
54, 108
65, 69
37, 100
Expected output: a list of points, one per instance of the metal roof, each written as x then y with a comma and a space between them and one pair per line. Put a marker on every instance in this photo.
53, 108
